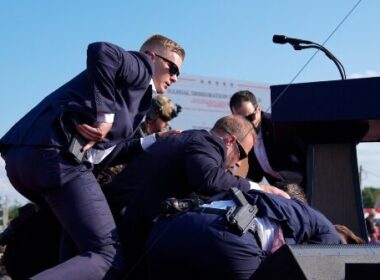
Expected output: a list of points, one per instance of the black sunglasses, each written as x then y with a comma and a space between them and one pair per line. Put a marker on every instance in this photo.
164, 118
251, 117
243, 153
173, 68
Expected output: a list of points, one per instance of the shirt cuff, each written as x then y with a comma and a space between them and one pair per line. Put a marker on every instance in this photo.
105, 117
254, 186
148, 141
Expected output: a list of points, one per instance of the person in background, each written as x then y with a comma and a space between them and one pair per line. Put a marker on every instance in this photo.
277, 163
370, 225
156, 125
161, 112
50, 152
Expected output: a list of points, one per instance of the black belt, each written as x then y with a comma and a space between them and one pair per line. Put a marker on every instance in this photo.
241, 216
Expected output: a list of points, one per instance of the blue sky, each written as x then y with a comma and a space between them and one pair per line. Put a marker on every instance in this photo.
43, 43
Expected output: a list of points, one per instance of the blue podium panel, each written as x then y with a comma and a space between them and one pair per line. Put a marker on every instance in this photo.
329, 111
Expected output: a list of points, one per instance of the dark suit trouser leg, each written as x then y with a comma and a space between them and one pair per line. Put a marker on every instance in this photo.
81, 208
200, 246
74, 196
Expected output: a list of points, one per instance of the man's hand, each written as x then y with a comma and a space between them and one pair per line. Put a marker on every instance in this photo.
269, 189
273, 190
164, 134
93, 134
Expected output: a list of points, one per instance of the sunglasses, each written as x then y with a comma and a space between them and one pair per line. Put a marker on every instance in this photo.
243, 153
173, 68
164, 118
251, 117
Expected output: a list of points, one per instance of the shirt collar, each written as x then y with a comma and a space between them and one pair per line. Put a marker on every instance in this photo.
154, 91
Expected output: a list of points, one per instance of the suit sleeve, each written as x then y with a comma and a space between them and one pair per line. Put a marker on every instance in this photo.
109, 67
314, 227
299, 222
205, 169
127, 150
324, 231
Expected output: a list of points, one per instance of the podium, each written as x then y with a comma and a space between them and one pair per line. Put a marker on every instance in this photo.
332, 117
321, 262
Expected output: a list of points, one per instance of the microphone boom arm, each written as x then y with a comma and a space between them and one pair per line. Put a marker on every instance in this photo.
338, 64
299, 44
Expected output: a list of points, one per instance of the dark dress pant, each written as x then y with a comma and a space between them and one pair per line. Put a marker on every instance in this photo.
200, 246
48, 176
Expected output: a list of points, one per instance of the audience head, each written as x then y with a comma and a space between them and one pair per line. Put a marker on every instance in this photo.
167, 57
238, 136
244, 103
371, 215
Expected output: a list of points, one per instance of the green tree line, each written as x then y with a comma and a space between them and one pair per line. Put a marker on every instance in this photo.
370, 196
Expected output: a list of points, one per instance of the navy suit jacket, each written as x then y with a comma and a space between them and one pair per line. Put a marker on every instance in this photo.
288, 160
176, 166
115, 81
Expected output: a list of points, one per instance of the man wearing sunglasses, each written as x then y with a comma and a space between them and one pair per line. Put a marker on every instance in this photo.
285, 163
88, 121
194, 161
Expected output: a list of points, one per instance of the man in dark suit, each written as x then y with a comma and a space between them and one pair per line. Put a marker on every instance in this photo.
202, 244
277, 163
49, 153
195, 161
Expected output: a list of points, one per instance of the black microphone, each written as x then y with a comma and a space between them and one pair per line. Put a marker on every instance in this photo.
282, 39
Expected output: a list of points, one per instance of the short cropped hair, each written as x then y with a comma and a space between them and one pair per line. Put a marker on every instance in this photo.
242, 96
160, 43
235, 125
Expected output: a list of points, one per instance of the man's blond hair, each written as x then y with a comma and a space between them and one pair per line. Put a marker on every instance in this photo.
161, 44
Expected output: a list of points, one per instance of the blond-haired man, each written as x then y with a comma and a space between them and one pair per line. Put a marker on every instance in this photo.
77, 126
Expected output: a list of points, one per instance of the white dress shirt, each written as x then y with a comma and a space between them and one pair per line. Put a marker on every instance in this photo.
262, 157
265, 227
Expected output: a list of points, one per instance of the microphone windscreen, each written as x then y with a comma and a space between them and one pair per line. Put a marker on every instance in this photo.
279, 39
